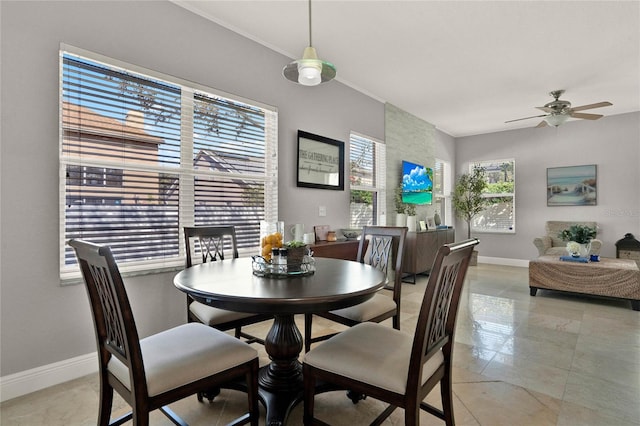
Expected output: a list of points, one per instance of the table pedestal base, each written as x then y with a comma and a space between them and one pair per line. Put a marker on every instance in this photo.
281, 381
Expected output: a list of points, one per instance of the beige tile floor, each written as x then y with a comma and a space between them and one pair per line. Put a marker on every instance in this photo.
552, 359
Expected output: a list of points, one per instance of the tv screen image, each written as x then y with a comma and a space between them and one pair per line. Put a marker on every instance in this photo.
417, 183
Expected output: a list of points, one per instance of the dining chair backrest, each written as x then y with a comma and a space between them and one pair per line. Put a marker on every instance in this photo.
116, 332
210, 242
381, 247
437, 319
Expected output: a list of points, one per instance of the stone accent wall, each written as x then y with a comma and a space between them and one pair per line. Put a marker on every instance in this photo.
407, 138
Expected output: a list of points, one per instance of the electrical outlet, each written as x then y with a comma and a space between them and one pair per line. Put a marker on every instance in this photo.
322, 211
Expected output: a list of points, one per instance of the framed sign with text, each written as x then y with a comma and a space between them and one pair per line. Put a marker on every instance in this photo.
320, 162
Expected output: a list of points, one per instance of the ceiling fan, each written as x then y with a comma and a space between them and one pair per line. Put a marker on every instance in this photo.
559, 111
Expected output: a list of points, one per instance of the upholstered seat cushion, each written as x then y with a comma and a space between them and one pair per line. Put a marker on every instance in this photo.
369, 309
185, 354
213, 316
371, 347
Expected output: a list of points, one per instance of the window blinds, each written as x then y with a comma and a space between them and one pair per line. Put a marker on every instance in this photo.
141, 157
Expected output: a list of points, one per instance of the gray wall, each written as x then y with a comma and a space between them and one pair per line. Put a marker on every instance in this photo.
41, 322
612, 143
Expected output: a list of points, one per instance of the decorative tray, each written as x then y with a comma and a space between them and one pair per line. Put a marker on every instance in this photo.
264, 268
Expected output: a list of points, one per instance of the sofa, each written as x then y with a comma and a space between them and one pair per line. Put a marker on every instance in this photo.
552, 245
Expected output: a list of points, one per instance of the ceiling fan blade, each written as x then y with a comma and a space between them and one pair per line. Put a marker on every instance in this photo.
526, 118
591, 106
585, 116
541, 124
545, 109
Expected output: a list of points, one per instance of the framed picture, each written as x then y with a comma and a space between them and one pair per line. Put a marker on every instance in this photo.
320, 162
572, 186
321, 232
423, 225
431, 224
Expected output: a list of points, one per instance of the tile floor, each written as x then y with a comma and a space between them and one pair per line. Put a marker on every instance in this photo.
552, 359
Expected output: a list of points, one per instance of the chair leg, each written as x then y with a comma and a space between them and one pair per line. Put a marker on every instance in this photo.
412, 416
106, 402
238, 332
307, 332
140, 417
309, 395
446, 393
252, 387
396, 321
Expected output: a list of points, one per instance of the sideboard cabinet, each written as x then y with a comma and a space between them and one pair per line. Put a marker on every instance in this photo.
421, 248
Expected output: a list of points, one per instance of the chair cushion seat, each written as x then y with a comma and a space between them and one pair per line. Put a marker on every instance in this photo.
213, 316
365, 311
185, 354
371, 347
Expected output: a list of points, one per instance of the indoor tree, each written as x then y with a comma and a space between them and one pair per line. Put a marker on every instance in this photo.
467, 196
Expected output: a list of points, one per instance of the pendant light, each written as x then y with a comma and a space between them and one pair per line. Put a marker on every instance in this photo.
309, 71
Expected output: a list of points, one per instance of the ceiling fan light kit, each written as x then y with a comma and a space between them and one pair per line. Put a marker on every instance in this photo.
559, 111
556, 119
309, 71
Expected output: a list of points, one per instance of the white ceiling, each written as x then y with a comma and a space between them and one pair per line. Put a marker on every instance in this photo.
464, 66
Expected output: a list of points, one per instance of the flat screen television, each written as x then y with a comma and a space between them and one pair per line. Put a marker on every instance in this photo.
417, 183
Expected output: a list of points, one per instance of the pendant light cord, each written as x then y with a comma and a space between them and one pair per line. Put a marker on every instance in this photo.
310, 43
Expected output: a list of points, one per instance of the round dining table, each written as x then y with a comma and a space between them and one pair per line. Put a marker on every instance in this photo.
231, 285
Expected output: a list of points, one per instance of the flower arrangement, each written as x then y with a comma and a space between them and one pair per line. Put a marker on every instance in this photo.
573, 247
581, 234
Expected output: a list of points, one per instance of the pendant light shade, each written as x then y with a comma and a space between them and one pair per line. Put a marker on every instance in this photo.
309, 71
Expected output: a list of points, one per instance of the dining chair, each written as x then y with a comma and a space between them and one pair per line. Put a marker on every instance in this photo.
380, 246
153, 372
208, 243
391, 365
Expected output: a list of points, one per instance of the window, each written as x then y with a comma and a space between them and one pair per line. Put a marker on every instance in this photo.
143, 155
442, 190
367, 178
499, 215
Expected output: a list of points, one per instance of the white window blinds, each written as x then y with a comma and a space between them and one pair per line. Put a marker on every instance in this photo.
143, 156
367, 177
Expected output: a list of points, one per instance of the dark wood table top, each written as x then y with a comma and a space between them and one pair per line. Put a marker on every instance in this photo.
230, 284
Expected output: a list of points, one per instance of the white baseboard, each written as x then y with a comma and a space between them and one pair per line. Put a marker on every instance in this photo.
28, 381
503, 261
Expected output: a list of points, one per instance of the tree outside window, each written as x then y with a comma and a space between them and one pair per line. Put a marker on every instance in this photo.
499, 214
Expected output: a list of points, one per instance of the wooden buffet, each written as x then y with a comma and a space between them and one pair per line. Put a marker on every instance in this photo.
421, 248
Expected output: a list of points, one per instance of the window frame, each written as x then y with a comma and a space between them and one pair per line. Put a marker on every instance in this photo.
185, 169
378, 179
442, 195
483, 164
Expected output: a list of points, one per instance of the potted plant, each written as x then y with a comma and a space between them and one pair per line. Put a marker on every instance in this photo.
578, 239
295, 253
401, 208
467, 198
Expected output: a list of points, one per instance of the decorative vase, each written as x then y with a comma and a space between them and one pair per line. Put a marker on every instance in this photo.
411, 223
401, 219
271, 236
294, 258
578, 250
436, 219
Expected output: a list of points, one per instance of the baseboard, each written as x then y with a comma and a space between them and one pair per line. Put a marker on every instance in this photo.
28, 381
503, 261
